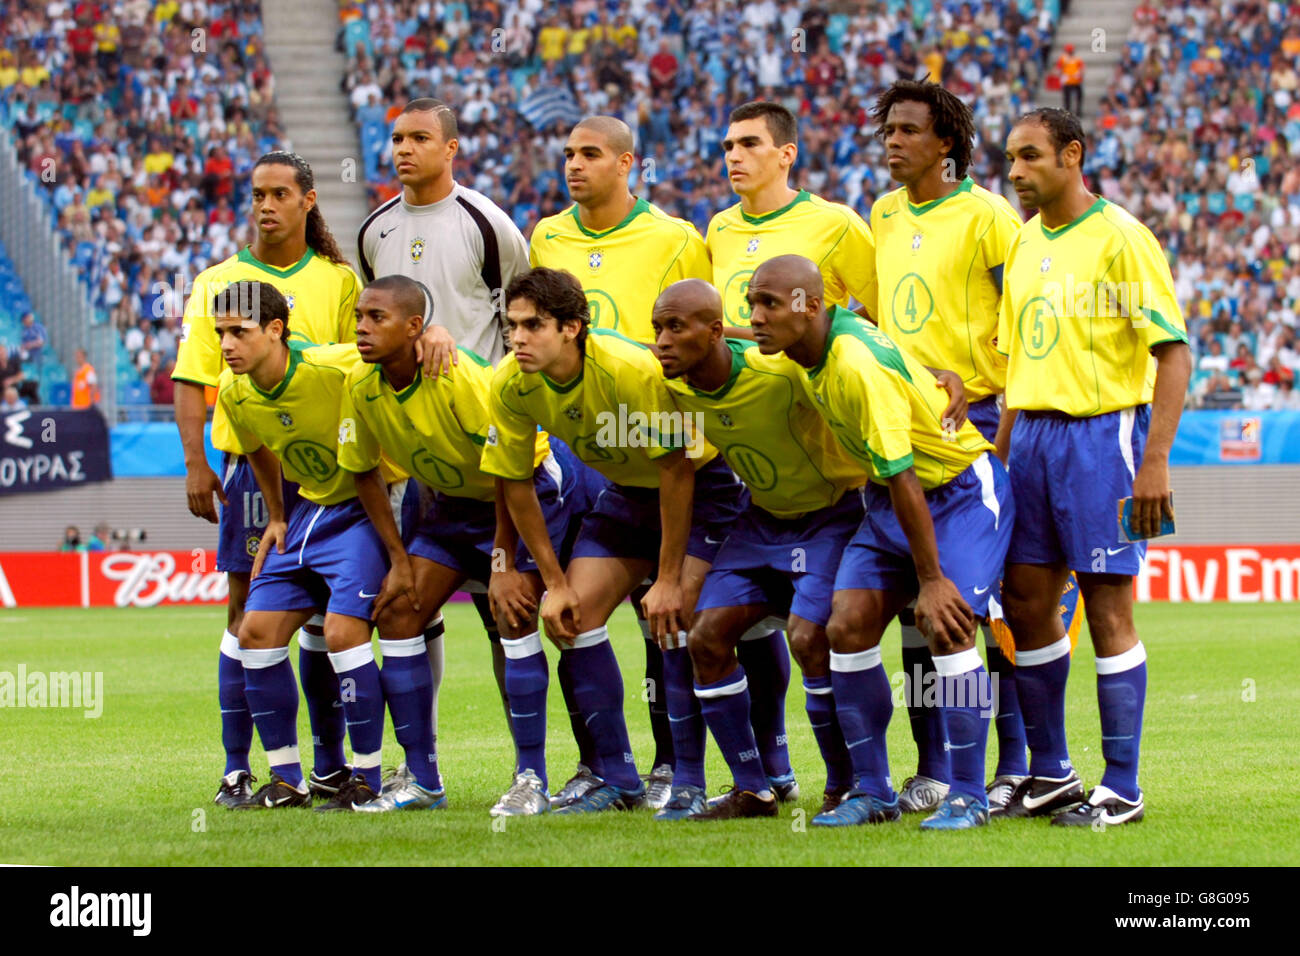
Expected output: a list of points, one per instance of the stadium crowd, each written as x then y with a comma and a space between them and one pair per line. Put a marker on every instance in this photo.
141, 138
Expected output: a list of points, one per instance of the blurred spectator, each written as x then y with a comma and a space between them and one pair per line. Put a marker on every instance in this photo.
71, 539
1070, 67
12, 401
160, 389
12, 375
34, 337
85, 384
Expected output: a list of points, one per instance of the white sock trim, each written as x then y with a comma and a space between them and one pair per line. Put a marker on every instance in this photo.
591, 638
861, 661
317, 620
311, 642
367, 761
819, 691
1119, 663
726, 690
951, 665
283, 755
352, 658
230, 646
522, 647
760, 631
912, 636
403, 647
676, 642
1043, 655
256, 658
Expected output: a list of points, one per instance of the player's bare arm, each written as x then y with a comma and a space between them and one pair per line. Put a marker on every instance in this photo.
372, 491
1002, 441
951, 383
266, 469
510, 591
560, 609
201, 482
1152, 497
436, 351
664, 603
942, 614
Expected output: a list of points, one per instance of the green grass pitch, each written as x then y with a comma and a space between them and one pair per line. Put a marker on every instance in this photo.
135, 785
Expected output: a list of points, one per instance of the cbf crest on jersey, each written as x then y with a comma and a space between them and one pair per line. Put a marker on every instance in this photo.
289, 300
417, 249
1047, 264
916, 242
751, 247
286, 419
595, 259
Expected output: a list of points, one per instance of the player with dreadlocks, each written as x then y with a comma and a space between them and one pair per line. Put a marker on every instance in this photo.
293, 250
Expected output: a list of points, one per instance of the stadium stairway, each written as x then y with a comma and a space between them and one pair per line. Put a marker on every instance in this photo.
1099, 31
314, 112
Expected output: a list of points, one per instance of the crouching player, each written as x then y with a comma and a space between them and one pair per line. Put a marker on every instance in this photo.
938, 521
435, 429
282, 403
665, 505
780, 555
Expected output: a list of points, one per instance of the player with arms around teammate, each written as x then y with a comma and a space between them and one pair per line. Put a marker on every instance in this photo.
294, 251
773, 218
941, 242
781, 554
664, 511
624, 251
465, 250
938, 519
435, 428
281, 402
1088, 315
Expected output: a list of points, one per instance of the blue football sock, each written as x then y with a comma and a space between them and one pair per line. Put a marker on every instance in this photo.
967, 700
363, 706
863, 705
236, 724
726, 706
684, 715
661, 727
527, 677
766, 661
1012, 760
273, 699
1121, 694
320, 686
1040, 682
926, 721
820, 704
408, 690
598, 694
433, 646
587, 755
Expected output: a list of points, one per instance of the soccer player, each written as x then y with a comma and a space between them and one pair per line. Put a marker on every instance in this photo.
781, 554
666, 504
436, 428
941, 241
938, 518
293, 250
1087, 302
773, 219
465, 250
624, 251
281, 402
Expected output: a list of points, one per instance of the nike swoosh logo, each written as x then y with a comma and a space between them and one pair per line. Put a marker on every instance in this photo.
240, 401
364, 596
1115, 551
708, 540
981, 590
337, 703
528, 391
1033, 803
551, 235
374, 398
886, 215
278, 801
386, 232
722, 227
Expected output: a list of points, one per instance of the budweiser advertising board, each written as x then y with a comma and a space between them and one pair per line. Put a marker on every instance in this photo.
1195, 573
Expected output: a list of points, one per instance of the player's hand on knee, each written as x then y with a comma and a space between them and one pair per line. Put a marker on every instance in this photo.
436, 350
200, 485
943, 616
510, 598
955, 413
561, 615
664, 609
272, 537
399, 582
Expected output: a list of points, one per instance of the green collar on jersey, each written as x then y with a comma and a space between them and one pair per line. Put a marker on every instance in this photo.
1058, 232
925, 207
803, 196
246, 256
838, 316
737, 347
295, 357
638, 207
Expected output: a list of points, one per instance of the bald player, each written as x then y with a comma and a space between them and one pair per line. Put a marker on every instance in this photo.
624, 251
779, 557
938, 520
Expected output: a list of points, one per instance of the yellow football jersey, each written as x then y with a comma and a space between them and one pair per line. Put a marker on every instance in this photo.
1082, 307
623, 269
886, 408
830, 234
434, 429
322, 297
616, 415
939, 267
764, 426
298, 419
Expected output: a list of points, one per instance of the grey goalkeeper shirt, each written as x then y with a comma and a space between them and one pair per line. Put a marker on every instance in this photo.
462, 248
